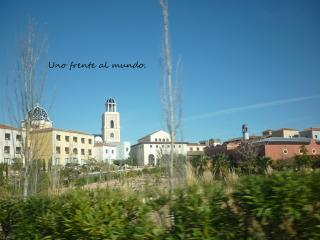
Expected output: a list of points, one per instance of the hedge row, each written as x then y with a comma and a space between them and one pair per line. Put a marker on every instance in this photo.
284, 205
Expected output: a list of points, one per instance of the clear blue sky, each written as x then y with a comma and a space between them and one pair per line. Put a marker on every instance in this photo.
254, 62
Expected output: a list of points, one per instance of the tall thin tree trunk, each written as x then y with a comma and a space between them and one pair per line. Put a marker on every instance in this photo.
168, 94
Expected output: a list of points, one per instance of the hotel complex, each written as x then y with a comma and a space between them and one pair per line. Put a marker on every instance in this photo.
61, 147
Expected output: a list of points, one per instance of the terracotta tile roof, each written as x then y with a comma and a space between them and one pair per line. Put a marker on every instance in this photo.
285, 140
311, 129
3, 126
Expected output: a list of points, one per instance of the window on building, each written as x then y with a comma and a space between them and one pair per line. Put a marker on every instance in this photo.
314, 151
67, 138
191, 149
7, 160
112, 151
156, 146
7, 136
58, 150
57, 161
156, 139
111, 135
179, 146
167, 139
106, 150
19, 137
163, 140
75, 139
285, 151
90, 141
111, 124
150, 146
168, 146
82, 151
151, 160
315, 136
75, 151
198, 149
66, 150
58, 137
7, 149
127, 149
82, 140
75, 160
89, 152
18, 150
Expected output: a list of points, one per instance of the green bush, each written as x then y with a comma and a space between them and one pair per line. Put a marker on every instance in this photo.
283, 205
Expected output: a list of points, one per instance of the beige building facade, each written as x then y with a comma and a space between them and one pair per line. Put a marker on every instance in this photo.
61, 147
111, 123
285, 133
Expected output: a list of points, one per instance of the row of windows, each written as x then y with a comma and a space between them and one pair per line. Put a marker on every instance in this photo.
7, 136
163, 140
74, 139
285, 151
7, 150
191, 148
174, 146
74, 151
197, 149
112, 151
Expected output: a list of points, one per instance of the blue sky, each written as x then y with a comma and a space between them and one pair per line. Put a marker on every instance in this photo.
254, 62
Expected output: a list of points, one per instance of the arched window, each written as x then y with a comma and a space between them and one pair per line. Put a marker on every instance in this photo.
111, 124
111, 135
151, 161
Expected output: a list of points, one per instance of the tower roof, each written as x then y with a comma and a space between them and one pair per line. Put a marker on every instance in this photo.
110, 100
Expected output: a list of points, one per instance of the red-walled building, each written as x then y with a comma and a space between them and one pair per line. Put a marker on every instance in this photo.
278, 148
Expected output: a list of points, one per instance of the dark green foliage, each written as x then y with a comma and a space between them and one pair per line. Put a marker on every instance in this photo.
200, 164
283, 205
78, 215
130, 162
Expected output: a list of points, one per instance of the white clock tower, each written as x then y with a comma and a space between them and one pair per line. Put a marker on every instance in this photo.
111, 123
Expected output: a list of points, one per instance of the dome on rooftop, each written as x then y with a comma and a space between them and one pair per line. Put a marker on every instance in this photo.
98, 139
39, 114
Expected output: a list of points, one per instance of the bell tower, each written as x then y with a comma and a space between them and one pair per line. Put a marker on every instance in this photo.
111, 122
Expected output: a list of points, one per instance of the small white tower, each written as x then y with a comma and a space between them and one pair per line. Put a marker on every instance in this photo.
245, 133
111, 122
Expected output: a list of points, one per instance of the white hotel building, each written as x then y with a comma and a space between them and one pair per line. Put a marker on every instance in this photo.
10, 142
150, 148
